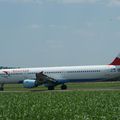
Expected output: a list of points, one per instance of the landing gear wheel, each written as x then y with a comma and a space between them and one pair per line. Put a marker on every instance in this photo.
63, 87
51, 88
1, 87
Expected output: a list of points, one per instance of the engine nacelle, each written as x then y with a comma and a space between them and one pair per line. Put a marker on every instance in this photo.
30, 83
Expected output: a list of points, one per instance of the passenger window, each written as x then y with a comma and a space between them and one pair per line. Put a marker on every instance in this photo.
118, 69
114, 70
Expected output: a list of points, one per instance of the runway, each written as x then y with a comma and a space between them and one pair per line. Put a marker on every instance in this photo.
68, 90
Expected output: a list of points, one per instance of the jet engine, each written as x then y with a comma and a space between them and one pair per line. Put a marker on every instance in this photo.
30, 83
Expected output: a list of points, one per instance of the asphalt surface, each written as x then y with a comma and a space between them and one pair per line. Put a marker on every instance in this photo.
82, 89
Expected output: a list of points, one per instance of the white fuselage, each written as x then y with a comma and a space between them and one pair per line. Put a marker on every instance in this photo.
62, 74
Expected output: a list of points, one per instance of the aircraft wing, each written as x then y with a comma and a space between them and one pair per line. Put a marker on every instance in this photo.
44, 79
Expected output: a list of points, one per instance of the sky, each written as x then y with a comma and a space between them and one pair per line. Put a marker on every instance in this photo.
40, 33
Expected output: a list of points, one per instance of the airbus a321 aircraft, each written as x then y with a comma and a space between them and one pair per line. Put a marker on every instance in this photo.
53, 76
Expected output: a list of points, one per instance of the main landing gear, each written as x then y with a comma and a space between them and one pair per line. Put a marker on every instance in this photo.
1, 87
51, 87
63, 87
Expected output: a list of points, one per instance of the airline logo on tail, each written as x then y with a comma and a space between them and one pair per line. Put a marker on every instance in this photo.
116, 61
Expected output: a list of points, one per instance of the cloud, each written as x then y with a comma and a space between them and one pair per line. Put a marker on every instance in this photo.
57, 44
71, 1
22, 1
51, 1
118, 18
86, 33
35, 26
114, 3
79, 1
102, 2
53, 26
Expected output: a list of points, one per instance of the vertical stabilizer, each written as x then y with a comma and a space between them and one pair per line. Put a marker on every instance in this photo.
116, 61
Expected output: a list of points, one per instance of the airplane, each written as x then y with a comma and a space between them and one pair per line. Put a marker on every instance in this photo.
50, 77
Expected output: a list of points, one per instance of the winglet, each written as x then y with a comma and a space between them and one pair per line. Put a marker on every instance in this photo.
116, 61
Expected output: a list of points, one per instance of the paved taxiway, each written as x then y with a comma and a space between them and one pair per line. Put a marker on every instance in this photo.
68, 90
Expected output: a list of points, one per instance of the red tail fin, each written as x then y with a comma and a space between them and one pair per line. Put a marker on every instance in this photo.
116, 61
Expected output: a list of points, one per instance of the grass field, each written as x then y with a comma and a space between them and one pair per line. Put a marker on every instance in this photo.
93, 101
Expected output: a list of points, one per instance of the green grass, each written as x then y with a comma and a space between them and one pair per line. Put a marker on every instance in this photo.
93, 101
72, 105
